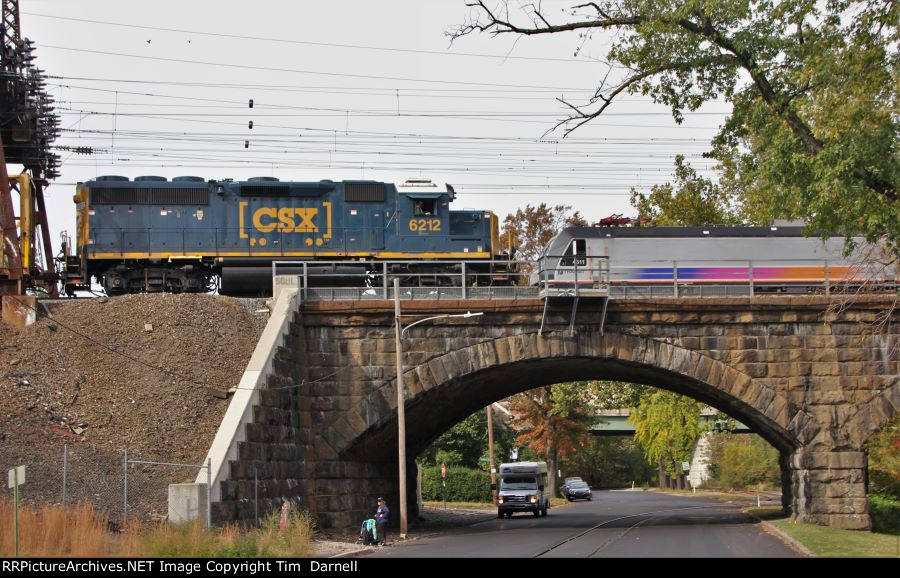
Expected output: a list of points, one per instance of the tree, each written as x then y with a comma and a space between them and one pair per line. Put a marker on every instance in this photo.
553, 421
616, 394
529, 230
744, 461
667, 425
466, 443
693, 200
609, 462
813, 129
883, 450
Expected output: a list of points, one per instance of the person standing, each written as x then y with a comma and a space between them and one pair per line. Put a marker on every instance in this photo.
283, 518
382, 516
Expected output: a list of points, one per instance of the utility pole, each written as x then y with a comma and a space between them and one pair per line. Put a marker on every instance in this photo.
490, 426
401, 411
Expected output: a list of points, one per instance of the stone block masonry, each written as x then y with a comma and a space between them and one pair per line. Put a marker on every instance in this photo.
812, 378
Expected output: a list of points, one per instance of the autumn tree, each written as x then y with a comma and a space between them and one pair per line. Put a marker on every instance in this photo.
666, 426
813, 87
553, 421
529, 230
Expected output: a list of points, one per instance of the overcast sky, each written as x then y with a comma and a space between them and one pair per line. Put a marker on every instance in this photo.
345, 89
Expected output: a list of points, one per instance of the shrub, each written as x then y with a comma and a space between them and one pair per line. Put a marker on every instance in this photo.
463, 485
884, 460
885, 514
743, 461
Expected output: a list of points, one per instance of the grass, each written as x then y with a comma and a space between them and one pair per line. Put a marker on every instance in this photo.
766, 512
54, 531
82, 532
833, 543
823, 541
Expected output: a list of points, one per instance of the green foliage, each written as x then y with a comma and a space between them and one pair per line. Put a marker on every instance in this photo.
884, 460
744, 461
666, 426
463, 484
609, 462
466, 443
812, 86
693, 200
192, 540
885, 514
616, 394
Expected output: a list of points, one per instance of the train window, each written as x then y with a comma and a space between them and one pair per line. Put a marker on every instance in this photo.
424, 206
576, 254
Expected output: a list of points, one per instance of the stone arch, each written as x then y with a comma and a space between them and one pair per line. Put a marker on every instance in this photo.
472, 377
870, 417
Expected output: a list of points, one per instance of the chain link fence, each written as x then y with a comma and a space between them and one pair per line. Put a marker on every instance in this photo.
83, 473
142, 481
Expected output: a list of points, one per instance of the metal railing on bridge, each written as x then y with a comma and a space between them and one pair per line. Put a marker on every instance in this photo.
579, 277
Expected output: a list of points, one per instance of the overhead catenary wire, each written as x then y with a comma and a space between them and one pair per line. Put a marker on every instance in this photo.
214, 136
310, 43
308, 72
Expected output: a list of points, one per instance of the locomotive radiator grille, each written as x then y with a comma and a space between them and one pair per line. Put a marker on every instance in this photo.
148, 196
364, 192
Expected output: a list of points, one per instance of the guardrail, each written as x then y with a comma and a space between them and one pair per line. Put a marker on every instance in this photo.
580, 277
435, 279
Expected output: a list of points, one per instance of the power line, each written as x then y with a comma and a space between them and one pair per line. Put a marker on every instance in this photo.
300, 71
165, 116
310, 43
305, 87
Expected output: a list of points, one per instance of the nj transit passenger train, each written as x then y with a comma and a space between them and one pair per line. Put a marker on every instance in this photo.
769, 258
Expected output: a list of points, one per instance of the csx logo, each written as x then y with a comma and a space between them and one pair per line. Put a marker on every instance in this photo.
284, 219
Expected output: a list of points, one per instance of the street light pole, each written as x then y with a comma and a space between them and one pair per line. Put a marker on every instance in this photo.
401, 396
490, 426
401, 411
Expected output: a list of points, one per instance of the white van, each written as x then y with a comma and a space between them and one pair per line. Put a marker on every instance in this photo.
522, 489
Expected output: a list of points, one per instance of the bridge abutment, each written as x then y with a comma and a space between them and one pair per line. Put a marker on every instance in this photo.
829, 488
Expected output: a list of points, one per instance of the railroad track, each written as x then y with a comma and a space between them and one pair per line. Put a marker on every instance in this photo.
645, 517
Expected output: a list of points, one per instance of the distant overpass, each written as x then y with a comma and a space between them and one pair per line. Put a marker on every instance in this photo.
614, 422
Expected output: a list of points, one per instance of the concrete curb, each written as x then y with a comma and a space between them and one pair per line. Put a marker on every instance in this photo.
787, 539
354, 553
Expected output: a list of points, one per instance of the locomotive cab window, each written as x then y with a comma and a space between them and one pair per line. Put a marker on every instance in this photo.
576, 254
424, 207
425, 213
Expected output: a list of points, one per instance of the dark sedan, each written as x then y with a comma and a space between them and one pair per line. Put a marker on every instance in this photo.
578, 491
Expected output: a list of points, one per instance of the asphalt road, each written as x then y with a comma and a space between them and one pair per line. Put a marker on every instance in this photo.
613, 524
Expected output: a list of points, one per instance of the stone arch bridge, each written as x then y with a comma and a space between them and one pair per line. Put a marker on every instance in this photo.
814, 376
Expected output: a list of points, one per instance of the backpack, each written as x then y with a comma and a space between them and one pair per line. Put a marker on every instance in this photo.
368, 532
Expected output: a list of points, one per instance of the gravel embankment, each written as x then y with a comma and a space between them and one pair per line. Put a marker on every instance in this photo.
146, 373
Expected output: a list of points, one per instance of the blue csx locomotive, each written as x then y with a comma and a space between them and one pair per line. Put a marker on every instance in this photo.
193, 235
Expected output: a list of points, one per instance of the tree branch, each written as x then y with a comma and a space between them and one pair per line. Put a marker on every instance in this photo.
702, 27
584, 117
